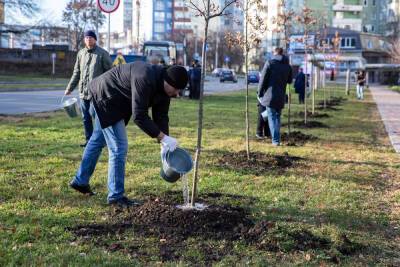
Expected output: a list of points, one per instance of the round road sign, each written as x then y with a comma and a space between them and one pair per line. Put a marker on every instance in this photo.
108, 6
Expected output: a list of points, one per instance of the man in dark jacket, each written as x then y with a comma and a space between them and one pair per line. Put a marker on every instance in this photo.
124, 91
275, 75
300, 86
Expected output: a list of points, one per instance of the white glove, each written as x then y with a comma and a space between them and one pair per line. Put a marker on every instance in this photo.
169, 143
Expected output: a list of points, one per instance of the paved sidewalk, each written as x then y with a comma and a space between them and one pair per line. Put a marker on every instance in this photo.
388, 103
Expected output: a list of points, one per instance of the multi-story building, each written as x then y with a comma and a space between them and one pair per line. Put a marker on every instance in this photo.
128, 15
393, 18
348, 14
181, 23
162, 19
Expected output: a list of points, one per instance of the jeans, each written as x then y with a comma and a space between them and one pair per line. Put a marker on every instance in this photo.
116, 140
262, 125
87, 110
360, 91
274, 121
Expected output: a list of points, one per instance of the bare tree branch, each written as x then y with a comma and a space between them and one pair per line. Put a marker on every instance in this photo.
223, 9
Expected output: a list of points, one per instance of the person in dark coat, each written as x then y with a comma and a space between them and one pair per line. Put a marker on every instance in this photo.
124, 91
195, 78
275, 75
300, 86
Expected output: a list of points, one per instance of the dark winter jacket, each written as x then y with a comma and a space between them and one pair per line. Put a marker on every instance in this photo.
275, 75
195, 74
299, 83
132, 89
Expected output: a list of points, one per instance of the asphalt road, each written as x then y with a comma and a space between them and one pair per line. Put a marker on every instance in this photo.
40, 101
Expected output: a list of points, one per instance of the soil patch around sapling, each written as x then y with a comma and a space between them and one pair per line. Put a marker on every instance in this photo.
309, 125
297, 138
259, 162
310, 115
158, 230
334, 101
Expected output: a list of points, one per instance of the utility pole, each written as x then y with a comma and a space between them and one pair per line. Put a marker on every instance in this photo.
216, 49
137, 24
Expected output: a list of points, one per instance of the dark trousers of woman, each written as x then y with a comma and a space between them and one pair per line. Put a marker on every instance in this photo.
262, 125
301, 97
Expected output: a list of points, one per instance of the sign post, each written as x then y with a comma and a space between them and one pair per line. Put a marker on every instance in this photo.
53, 60
108, 6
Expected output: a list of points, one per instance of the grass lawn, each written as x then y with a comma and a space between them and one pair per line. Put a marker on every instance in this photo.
340, 204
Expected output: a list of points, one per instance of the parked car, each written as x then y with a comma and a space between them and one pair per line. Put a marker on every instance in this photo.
253, 76
228, 75
217, 72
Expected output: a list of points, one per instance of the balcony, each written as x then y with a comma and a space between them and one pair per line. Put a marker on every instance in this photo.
350, 8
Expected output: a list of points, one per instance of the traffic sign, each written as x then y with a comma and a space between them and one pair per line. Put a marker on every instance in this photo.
108, 6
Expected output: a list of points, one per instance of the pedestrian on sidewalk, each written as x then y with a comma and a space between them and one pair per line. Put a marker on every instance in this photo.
91, 61
360, 85
275, 75
124, 91
300, 86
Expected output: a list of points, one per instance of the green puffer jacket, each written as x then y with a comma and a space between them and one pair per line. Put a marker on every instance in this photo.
89, 64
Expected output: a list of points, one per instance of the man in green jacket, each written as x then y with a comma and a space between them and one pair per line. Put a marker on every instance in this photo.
91, 62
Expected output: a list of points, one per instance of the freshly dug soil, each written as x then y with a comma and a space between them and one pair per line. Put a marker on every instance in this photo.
310, 124
159, 229
310, 115
297, 138
258, 164
334, 101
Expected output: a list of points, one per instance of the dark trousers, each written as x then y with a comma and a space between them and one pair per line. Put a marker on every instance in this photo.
262, 125
194, 90
87, 118
301, 97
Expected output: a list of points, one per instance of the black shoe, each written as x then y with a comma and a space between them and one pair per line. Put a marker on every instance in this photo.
84, 189
124, 202
259, 137
83, 145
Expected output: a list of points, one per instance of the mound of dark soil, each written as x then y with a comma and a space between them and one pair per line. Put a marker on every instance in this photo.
309, 124
258, 164
169, 231
334, 101
297, 138
310, 115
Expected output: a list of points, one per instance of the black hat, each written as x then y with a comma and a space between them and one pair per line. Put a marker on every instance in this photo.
91, 33
176, 76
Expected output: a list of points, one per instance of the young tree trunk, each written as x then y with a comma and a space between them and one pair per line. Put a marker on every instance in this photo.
312, 84
305, 87
200, 112
247, 86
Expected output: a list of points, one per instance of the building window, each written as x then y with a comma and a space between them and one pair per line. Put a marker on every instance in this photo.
159, 27
159, 16
373, 2
348, 42
159, 5
365, 2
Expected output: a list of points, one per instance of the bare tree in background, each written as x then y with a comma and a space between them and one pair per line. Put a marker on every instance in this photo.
208, 10
283, 22
79, 14
306, 19
16, 8
256, 26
